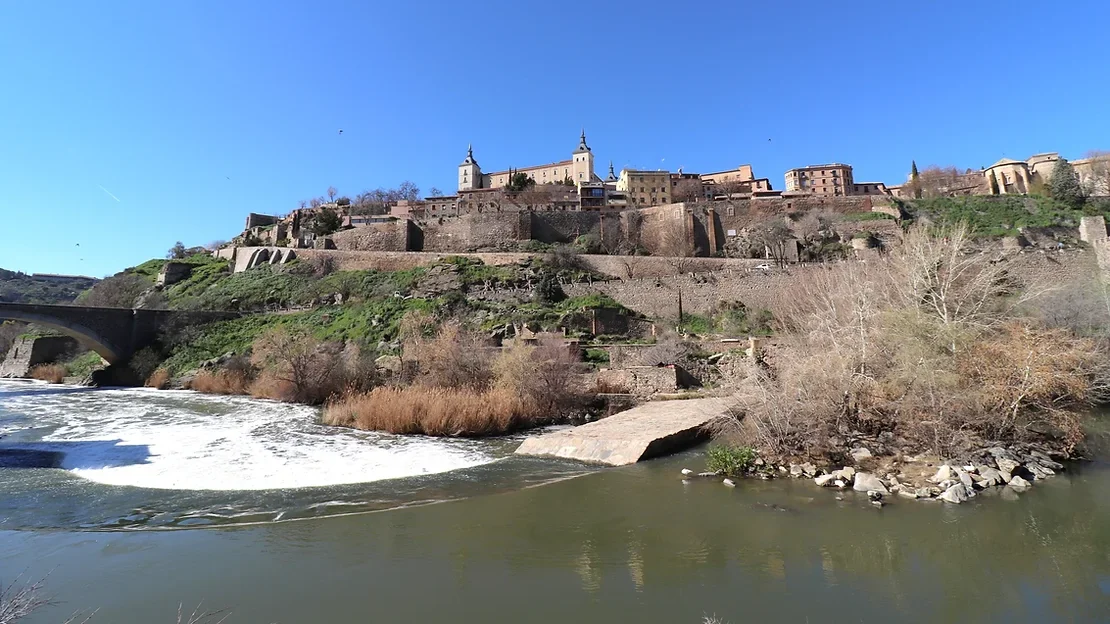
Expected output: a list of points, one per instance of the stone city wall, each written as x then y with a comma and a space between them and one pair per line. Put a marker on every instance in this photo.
473, 232
389, 236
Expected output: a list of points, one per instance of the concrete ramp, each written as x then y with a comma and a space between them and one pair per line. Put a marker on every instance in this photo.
650, 430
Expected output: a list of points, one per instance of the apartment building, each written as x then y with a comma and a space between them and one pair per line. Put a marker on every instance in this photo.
829, 180
645, 188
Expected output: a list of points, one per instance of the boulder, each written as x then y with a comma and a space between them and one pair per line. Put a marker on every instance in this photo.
867, 482
795, 470
825, 480
875, 495
847, 473
955, 494
923, 492
1018, 483
990, 476
729, 483
809, 469
1039, 471
687, 472
709, 474
840, 483
860, 454
911, 494
1007, 465
944, 473
1046, 461
964, 477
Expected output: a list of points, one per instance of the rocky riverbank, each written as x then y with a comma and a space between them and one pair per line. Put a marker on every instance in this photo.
1014, 468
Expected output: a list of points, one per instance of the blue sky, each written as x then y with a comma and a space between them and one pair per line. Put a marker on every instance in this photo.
128, 125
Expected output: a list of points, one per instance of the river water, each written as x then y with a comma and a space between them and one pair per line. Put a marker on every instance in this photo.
133, 501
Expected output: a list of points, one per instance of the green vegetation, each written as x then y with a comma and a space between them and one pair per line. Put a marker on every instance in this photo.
1064, 185
1002, 215
731, 461
728, 318
867, 216
83, 365
18, 287
598, 357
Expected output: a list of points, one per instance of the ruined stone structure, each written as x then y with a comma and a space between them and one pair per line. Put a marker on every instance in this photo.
114, 333
30, 351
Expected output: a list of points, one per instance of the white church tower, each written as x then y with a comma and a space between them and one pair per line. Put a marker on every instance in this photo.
582, 165
470, 174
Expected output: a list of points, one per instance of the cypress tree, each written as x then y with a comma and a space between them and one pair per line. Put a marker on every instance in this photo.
1064, 185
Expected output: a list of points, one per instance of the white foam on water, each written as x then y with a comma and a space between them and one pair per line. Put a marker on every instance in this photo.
188, 441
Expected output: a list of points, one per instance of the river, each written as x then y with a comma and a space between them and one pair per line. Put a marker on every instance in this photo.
134, 501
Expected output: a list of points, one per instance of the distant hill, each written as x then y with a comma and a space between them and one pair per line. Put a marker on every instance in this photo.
18, 287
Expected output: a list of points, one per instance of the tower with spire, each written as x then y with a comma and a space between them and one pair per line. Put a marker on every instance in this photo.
470, 174
582, 162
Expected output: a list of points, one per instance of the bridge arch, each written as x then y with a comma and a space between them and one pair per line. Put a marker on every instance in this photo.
90, 338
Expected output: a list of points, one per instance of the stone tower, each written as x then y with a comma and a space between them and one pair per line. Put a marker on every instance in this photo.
470, 174
582, 166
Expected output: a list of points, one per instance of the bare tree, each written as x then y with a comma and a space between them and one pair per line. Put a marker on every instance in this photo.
1096, 175
332, 192
435, 192
775, 238
315, 202
676, 244
690, 190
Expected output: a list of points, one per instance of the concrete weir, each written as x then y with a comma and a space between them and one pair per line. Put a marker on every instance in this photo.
650, 430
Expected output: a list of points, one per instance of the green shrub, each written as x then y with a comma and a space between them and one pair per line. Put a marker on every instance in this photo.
597, 356
730, 461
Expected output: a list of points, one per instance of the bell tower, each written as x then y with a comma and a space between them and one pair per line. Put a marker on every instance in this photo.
470, 174
582, 165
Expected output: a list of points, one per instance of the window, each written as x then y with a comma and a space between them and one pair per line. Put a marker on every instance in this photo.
731, 211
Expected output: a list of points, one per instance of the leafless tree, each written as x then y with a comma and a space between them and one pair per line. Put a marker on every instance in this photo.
775, 237
676, 244
315, 202
1096, 177
689, 190
435, 192
332, 192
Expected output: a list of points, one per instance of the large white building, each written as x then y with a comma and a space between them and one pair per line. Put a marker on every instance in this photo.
578, 170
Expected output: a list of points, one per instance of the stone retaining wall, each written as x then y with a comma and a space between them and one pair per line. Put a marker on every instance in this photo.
28, 352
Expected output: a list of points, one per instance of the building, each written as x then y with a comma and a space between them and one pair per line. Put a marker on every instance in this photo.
645, 188
1094, 173
579, 169
830, 180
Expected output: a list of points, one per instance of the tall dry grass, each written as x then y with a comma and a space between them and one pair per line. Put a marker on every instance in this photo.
220, 381
159, 379
431, 411
50, 373
933, 344
467, 391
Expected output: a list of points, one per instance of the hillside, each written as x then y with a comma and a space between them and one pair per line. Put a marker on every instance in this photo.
18, 287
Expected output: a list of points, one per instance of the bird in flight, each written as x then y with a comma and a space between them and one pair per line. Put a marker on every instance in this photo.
340, 131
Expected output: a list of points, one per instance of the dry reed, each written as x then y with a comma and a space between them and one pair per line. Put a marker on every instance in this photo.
432, 411
51, 373
159, 379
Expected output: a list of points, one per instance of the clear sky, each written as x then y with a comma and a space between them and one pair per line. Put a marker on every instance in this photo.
128, 125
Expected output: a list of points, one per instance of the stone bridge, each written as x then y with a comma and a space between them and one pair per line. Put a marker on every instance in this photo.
115, 333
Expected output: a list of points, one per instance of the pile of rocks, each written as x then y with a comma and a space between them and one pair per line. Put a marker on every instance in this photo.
954, 481
1014, 469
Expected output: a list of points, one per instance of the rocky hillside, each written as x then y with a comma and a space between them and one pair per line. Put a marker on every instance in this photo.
18, 287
